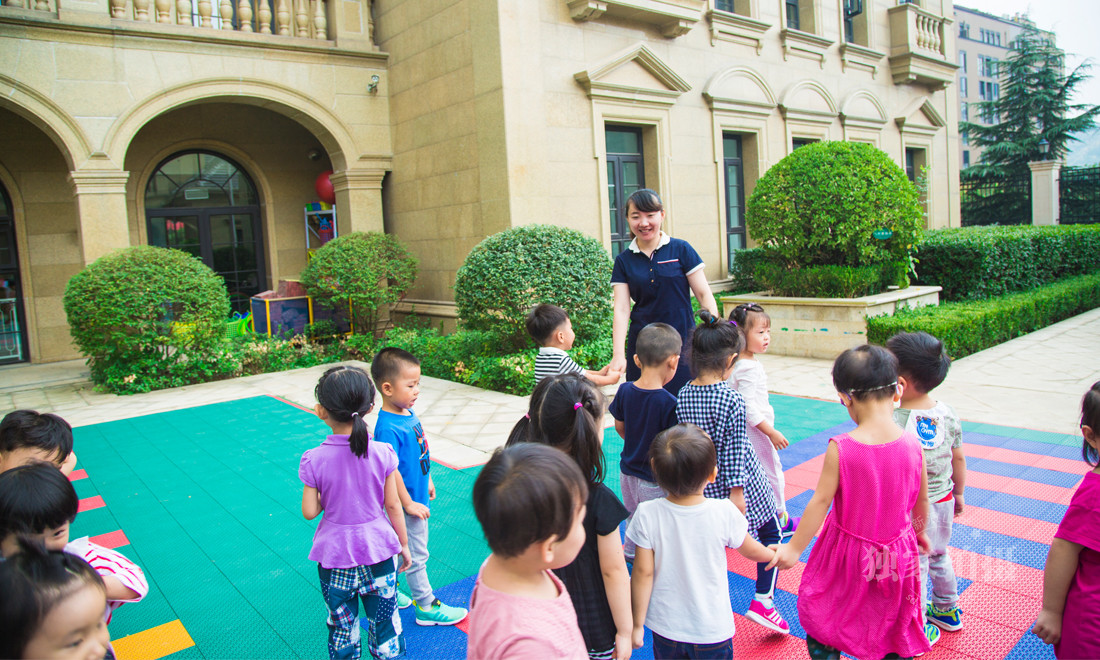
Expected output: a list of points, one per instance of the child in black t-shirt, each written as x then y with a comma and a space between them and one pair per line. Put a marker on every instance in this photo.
642, 409
565, 413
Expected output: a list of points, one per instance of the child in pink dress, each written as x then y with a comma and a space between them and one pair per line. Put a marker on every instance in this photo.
861, 592
1071, 580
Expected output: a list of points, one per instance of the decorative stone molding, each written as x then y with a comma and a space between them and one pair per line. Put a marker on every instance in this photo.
735, 28
600, 81
357, 179
99, 182
910, 126
863, 110
586, 10
804, 44
860, 57
808, 102
316, 118
741, 92
674, 18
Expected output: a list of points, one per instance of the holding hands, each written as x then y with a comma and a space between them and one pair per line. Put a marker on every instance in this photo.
784, 556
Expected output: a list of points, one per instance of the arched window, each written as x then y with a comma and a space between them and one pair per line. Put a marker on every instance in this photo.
205, 204
13, 325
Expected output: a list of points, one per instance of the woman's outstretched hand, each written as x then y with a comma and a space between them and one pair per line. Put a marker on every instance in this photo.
616, 364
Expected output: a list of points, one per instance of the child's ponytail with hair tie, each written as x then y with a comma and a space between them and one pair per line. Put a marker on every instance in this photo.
565, 413
712, 344
709, 320
347, 393
360, 435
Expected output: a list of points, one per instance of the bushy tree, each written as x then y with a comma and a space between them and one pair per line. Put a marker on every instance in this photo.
1035, 104
370, 270
148, 318
815, 214
508, 273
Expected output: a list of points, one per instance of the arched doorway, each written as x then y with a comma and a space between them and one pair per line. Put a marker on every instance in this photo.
203, 203
13, 323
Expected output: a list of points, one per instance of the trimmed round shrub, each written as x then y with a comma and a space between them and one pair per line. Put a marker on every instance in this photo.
822, 205
508, 273
369, 270
149, 318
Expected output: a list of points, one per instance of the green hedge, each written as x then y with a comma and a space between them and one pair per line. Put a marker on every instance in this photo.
969, 327
475, 357
743, 267
978, 262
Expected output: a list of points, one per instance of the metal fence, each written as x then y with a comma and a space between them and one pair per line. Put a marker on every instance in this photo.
1001, 201
1079, 192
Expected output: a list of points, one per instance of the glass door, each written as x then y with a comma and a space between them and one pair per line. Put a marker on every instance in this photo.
13, 325
204, 204
226, 241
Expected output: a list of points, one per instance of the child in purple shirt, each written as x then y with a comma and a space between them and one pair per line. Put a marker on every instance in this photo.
352, 479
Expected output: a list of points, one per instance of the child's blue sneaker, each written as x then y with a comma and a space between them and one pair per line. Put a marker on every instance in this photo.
932, 633
949, 619
403, 601
439, 614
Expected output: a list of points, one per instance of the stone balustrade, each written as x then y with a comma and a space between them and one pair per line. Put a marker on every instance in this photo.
919, 47
913, 28
38, 5
306, 19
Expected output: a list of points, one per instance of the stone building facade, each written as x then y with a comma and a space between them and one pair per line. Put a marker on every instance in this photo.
202, 124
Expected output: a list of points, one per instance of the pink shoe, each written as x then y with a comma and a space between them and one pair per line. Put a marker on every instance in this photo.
768, 617
787, 531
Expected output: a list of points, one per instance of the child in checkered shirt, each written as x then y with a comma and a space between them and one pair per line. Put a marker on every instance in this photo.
711, 404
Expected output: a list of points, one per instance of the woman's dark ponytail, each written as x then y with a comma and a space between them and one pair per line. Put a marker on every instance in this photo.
347, 393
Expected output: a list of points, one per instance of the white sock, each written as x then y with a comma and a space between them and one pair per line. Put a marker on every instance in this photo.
767, 601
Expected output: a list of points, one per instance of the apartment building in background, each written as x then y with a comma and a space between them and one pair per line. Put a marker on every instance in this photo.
983, 43
202, 125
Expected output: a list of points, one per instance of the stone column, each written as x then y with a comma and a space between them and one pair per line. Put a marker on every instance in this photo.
101, 211
358, 199
1045, 202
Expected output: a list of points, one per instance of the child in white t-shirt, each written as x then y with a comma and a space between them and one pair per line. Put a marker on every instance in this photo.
679, 588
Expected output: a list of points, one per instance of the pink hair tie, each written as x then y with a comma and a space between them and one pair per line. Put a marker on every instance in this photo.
527, 415
577, 405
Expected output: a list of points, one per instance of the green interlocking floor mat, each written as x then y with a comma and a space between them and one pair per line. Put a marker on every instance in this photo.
208, 502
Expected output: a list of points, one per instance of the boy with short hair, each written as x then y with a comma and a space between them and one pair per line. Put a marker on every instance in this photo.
642, 409
529, 499
27, 436
552, 330
922, 366
396, 373
38, 502
684, 599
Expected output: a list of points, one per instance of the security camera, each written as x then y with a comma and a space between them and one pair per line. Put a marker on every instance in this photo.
314, 154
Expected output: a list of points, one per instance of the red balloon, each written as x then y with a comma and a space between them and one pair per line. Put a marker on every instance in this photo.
323, 186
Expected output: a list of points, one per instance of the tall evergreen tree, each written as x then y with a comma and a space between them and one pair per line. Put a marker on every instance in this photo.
1034, 104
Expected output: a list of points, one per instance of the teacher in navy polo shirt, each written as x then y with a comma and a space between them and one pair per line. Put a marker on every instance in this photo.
658, 273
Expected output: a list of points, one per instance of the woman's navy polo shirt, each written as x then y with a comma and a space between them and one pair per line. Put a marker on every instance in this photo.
658, 285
